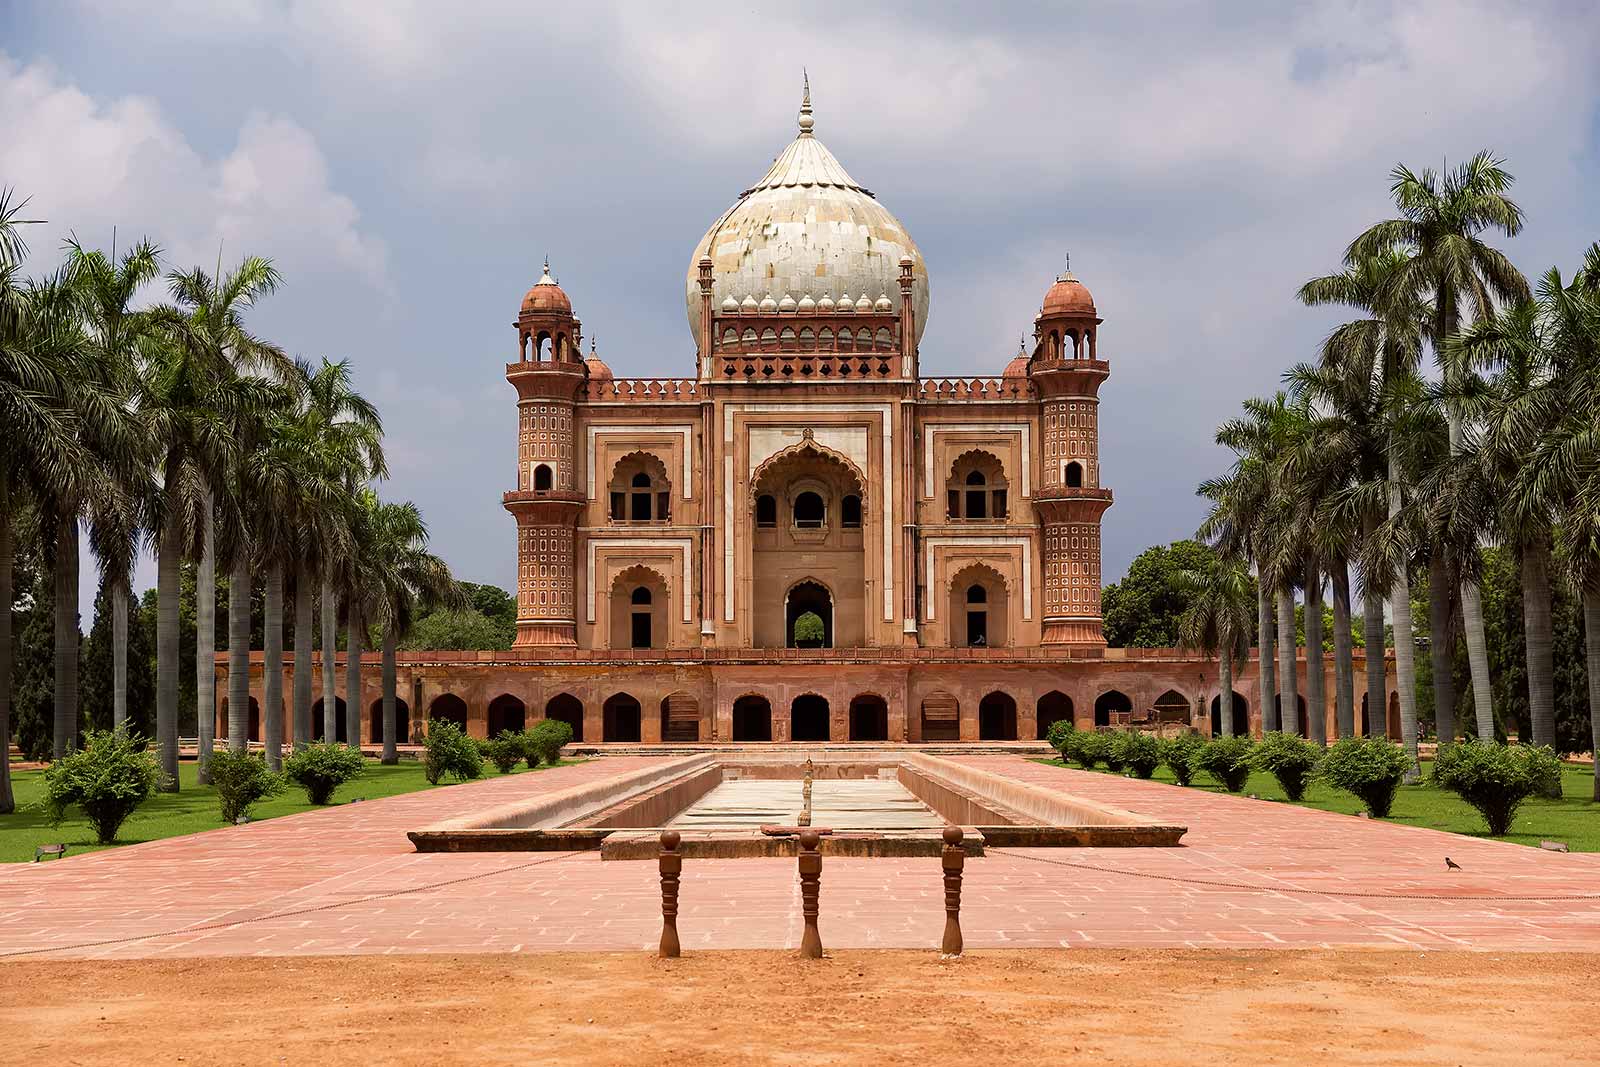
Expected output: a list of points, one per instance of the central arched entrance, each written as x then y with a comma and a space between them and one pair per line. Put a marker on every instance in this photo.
752, 719
506, 712
869, 718
809, 598
997, 718
808, 718
621, 717
564, 707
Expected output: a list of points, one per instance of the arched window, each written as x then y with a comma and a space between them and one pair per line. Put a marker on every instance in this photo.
1075, 475
640, 499
640, 491
977, 487
809, 511
640, 629
766, 510
542, 478
977, 496
977, 616
850, 512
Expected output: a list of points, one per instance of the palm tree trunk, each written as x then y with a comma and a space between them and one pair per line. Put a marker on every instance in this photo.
168, 560
391, 754
1377, 667
1225, 680
239, 654
119, 651
352, 677
1478, 658
8, 800
1536, 626
272, 667
67, 636
1344, 668
1316, 690
1288, 704
304, 730
1268, 688
1440, 649
330, 638
1404, 661
1591, 652
205, 645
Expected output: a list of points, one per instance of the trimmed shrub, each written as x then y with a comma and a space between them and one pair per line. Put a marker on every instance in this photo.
1139, 752
1181, 754
242, 778
1112, 753
1370, 767
108, 778
505, 751
1058, 735
1291, 759
1086, 748
1229, 760
448, 750
321, 768
1496, 778
545, 741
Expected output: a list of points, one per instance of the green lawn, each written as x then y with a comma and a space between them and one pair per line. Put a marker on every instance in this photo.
192, 809
1574, 818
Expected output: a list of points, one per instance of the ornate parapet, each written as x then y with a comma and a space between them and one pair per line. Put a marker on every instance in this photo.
643, 390
935, 390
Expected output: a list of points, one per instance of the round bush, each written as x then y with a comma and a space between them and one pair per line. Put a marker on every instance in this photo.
448, 750
505, 751
321, 768
1112, 753
1229, 760
1181, 754
1291, 759
1139, 752
108, 778
1496, 778
1086, 748
241, 779
545, 741
1057, 735
1370, 767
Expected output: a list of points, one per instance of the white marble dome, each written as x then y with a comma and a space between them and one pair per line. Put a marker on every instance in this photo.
807, 229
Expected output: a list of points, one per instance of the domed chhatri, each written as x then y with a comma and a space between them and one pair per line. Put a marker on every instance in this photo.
1068, 296
598, 371
546, 295
806, 229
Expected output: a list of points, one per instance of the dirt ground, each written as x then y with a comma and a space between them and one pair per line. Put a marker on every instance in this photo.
1030, 1008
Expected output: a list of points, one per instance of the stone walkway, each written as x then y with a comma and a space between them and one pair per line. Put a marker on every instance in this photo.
304, 885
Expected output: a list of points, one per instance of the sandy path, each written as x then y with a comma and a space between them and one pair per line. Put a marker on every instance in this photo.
1029, 1008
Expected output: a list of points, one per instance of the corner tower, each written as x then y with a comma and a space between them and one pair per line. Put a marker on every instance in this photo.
1067, 373
548, 374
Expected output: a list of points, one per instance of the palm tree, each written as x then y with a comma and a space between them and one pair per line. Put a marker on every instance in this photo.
1218, 622
1441, 220
401, 576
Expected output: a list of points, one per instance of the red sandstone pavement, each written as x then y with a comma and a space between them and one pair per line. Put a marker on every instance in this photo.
321, 868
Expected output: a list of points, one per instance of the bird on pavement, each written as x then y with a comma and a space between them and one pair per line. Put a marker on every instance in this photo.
1451, 865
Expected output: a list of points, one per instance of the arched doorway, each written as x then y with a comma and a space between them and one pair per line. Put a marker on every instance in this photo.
1052, 708
869, 718
808, 718
621, 718
402, 721
941, 717
1172, 707
564, 707
978, 609
319, 721
1111, 705
809, 598
506, 712
1394, 717
997, 718
1241, 715
447, 706
638, 611
752, 718
680, 718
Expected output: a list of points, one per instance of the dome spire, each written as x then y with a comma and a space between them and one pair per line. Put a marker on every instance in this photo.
806, 121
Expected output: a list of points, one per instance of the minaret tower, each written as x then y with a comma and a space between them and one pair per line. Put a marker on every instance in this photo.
548, 374
1067, 373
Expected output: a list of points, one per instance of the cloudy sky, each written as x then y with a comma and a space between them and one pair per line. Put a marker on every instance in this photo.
408, 166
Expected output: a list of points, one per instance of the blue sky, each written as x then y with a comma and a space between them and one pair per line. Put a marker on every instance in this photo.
409, 165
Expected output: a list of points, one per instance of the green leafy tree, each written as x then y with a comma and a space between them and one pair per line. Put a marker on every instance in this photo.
32, 705
1143, 610
241, 779
1495, 779
809, 630
99, 665
108, 779
1218, 620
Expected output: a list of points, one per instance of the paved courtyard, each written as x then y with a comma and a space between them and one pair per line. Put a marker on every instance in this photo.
1251, 874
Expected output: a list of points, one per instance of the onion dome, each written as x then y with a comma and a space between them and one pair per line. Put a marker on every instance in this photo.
845, 304
807, 227
787, 304
748, 305
1068, 296
826, 303
730, 306
883, 305
546, 296
806, 305
864, 305
1018, 367
768, 304
598, 371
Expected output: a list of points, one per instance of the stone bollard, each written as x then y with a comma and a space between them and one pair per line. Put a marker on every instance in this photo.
953, 858
671, 861
810, 889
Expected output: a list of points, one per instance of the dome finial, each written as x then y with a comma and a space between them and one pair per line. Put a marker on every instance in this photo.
806, 121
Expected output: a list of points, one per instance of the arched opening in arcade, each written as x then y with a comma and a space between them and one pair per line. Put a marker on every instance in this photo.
869, 718
564, 707
1241, 715
752, 718
941, 716
997, 718
1172, 707
621, 718
680, 718
449, 707
1055, 706
1112, 707
808, 718
402, 721
809, 598
319, 722
507, 712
